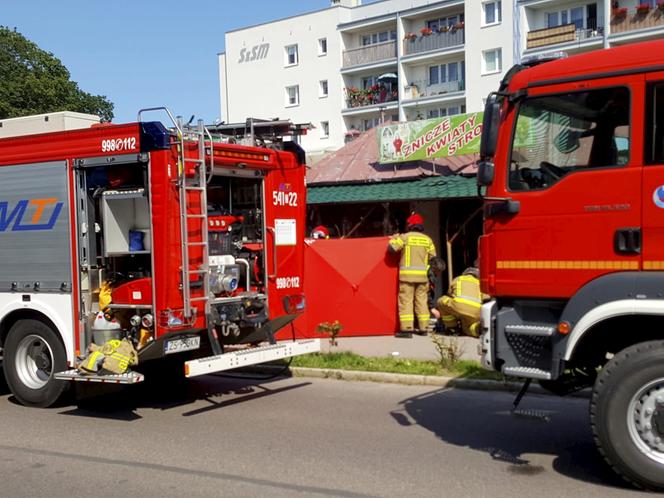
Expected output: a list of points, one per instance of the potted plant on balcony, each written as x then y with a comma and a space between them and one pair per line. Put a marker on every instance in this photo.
643, 8
460, 25
619, 12
426, 31
444, 28
410, 37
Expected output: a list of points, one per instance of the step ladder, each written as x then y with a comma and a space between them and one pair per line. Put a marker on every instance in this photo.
193, 187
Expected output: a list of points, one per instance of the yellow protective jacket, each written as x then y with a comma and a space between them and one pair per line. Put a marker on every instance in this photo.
416, 249
465, 289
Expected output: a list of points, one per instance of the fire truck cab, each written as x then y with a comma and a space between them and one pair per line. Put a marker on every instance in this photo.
573, 245
187, 245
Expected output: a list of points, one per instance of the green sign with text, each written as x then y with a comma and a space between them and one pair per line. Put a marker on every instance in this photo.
430, 138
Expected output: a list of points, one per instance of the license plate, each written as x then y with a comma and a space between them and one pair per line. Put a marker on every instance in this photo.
179, 345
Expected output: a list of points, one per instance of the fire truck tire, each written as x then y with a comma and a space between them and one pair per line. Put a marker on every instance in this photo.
627, 414
33, 351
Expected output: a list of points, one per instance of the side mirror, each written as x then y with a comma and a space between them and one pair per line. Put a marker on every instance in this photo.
490, 125
484, 173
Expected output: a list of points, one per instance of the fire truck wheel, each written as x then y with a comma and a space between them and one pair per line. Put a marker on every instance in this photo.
33, 352
627, 414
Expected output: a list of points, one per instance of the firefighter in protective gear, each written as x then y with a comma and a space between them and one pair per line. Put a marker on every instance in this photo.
462, 303
416, 249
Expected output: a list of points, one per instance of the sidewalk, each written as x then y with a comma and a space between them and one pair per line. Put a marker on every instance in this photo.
417, 348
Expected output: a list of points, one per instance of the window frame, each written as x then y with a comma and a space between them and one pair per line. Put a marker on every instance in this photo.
582, 170
323, 89
497, 12
499, 66
287, 62
297, 96
322, 44
649, 154
325, 133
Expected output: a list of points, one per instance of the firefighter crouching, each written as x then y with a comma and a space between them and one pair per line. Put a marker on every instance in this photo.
461, 306
416, 249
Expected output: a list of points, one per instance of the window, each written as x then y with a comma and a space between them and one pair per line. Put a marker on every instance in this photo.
291, 55
322, 88
442, 112
492, 13
655, 124
443, 73
557, 135
324, 129
381, 37
322, 46
367, 124
492, 61
583, 17
444, 21
292, 95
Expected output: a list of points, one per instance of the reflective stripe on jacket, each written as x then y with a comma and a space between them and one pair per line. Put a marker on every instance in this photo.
416, 249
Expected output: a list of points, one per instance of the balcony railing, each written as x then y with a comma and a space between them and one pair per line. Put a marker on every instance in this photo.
623, 20
370, 53
434, 41
563, 34
424, 88
356, 97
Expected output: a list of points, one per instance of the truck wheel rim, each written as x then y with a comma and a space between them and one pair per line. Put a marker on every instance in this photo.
34, 361
645, 420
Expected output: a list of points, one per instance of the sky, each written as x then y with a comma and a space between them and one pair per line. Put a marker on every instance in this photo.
145, 53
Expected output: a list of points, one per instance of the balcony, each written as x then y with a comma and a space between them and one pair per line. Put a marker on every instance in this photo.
624, 20
424, 88
563, 34
437, 40
376, 95
370, 54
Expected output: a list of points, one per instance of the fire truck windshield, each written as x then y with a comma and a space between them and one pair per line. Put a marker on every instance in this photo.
556, 135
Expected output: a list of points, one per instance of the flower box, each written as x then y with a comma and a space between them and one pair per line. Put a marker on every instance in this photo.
619, 12
660, 6
410, 36
643, 8
426, 31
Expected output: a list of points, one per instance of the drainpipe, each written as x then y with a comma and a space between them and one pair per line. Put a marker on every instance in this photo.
400, 72
516, 26
607, 22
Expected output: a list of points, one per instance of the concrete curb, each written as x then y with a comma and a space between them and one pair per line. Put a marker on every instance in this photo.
425, 380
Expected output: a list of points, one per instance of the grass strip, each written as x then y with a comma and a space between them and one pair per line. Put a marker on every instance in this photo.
468, 369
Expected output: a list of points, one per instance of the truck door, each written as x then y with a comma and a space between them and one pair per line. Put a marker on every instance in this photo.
285, 205
653, 174
572, 168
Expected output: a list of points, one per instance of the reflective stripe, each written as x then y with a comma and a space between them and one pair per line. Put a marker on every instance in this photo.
448, 317
406, 316
423, 317
469, 302
407, 256
412, 272
396, 243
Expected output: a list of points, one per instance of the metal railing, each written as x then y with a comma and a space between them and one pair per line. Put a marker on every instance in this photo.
424, 88
363, 99
434, 41
370, 53
634, 19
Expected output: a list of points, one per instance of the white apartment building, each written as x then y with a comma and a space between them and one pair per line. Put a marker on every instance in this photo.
352, 65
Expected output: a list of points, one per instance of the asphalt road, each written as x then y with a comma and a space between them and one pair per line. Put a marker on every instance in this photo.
299, 437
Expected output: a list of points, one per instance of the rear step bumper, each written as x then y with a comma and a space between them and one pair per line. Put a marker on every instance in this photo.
251, 356
125, 378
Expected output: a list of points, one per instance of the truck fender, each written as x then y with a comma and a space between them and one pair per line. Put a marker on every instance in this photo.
610, 310
56, 307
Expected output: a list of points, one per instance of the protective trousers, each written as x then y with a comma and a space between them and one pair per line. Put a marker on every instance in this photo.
452, 312
413, 295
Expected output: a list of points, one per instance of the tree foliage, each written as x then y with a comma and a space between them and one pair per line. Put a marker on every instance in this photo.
33, 81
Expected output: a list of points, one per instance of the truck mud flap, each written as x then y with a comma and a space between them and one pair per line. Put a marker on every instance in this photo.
269, 329
250, 356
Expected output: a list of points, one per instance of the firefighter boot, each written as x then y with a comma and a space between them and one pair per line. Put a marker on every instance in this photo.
404, 334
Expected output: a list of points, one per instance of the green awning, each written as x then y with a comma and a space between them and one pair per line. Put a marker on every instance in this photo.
429, 188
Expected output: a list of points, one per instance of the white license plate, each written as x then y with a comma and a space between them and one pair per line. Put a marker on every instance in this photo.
179, 345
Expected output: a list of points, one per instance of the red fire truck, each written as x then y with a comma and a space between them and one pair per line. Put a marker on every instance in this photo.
573, 251
189, 246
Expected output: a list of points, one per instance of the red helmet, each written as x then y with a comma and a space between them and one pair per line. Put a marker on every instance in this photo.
414, 219
320, 232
